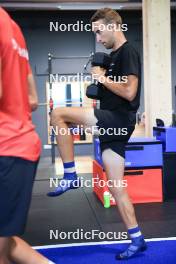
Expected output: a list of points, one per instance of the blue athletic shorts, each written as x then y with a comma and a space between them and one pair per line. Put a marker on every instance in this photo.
16, 182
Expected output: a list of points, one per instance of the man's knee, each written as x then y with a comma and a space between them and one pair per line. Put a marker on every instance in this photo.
111, 157
56, 116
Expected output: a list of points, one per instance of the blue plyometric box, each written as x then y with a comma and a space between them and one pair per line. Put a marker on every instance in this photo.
97, 151
144, 152
139, 153
168, 137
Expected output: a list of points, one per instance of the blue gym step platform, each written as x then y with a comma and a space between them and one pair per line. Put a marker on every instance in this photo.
158, 252
139, 153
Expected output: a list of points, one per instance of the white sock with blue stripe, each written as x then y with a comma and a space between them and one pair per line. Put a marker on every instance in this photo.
69, 181
69, 171
135, 234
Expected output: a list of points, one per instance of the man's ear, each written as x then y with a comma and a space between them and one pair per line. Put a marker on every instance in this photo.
111, 27
116, 27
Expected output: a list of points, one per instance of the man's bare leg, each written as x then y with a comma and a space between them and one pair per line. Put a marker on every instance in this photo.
17, 251
4, 250
61, 119
114, 167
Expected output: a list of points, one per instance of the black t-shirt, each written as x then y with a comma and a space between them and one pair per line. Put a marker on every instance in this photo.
125, 61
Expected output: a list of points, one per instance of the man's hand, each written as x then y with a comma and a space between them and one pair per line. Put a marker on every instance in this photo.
98, 73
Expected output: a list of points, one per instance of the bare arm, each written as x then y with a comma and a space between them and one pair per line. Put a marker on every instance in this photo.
126, 90
33, 97
0, 80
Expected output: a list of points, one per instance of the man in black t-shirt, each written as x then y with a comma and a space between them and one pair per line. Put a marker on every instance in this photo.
119, 101
125, 62
119, 95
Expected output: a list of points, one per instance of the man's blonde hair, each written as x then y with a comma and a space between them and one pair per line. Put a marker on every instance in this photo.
108, 15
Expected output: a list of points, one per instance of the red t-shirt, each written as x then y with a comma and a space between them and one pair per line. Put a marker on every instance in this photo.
17, 133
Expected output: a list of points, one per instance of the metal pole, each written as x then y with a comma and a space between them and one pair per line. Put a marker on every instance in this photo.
52, 137
70, 57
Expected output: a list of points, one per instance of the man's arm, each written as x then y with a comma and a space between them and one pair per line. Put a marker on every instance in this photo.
130, 67
127, 89
32, 91
0, 80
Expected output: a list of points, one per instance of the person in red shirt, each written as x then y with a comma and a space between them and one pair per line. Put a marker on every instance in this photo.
19, 144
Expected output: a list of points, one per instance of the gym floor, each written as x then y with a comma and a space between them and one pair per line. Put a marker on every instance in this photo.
80, 209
